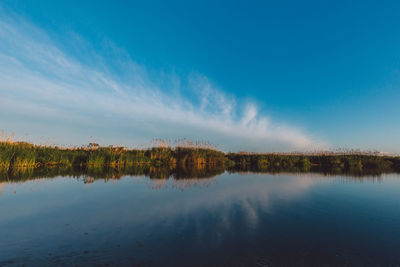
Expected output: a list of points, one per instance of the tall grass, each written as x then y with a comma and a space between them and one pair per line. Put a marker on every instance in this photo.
322, 162
191, 156
22, 154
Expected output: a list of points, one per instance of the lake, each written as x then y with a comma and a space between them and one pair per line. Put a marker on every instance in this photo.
230, 219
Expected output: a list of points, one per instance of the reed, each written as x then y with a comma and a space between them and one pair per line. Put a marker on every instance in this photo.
22, 154
322, 162
191, 155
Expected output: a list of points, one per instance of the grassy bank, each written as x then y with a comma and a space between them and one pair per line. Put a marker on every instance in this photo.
335, 163
21, 154
191, 159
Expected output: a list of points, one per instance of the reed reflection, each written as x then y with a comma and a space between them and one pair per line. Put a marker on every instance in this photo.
93, 173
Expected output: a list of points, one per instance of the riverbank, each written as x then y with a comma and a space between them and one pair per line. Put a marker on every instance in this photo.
22, 154
15, 155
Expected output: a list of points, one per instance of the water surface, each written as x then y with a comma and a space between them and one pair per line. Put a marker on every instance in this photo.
229, 219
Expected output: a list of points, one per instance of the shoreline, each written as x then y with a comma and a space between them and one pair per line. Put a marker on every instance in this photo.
14, 155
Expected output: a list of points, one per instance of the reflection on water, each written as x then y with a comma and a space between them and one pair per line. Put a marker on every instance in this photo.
179, 172
109, 172
197, 217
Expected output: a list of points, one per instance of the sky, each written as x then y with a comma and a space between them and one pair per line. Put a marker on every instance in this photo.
245, 75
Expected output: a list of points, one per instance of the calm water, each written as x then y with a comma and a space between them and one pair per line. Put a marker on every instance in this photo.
229, 219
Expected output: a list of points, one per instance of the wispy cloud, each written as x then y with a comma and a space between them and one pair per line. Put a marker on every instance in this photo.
46, 89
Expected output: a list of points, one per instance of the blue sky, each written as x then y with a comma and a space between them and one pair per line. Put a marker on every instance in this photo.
249, 75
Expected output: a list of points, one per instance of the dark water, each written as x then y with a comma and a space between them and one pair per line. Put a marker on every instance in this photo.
226, 220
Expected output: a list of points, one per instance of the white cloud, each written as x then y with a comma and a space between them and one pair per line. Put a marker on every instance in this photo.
44, 85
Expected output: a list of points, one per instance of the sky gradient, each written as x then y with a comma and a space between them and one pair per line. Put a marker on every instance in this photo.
258, 75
